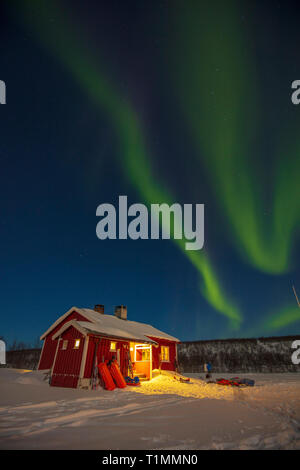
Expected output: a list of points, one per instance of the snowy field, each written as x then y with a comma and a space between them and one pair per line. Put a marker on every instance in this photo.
161, 414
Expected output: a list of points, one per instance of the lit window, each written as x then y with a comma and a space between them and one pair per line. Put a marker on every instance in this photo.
165, 353
113, 346
77, 344
146, 355
64, 344
142, 353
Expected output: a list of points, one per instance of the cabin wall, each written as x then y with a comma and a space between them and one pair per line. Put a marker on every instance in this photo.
104, 353
156, 351
49, 348
67, 364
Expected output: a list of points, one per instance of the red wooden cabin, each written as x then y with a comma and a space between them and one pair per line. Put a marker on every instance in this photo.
82, 337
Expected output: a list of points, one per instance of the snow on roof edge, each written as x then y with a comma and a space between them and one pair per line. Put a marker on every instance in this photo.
155, 333
93, 317
114, 334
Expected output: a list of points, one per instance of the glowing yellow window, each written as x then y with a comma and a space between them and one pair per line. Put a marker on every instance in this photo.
165, 353
113, 346
77, 344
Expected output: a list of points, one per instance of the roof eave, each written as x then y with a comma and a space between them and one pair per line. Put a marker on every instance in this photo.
121, 338
57, 322
66, 326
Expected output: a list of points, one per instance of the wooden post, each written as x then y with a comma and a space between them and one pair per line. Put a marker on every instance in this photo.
296, 296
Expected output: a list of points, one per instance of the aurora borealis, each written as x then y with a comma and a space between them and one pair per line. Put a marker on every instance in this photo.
174, 99
220, 100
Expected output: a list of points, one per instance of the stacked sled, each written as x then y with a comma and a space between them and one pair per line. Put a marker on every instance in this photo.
111, 377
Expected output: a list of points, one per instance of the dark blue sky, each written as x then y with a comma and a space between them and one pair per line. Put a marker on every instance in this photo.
58, 155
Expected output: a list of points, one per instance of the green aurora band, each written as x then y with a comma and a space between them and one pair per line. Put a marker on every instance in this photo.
133, 155
217, 89
283, 318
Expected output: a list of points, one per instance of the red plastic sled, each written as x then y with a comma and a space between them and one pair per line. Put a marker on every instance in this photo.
106, 376
231, 382
116, 375
134, 384
181, 378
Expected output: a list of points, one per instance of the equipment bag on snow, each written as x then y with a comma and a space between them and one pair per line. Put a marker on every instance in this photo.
133, 381
223, 382
236, 382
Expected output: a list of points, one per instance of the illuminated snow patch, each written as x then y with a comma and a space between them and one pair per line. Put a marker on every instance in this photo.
163, 384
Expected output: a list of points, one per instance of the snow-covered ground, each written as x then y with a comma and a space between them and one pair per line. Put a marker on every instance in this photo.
161, 414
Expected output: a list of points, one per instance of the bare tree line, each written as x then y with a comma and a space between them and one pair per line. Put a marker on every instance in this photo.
16, 345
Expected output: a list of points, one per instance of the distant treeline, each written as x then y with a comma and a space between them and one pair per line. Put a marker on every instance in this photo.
265, 339
271, 354
21, 345
23, 358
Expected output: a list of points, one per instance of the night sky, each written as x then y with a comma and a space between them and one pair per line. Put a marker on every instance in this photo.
162, 101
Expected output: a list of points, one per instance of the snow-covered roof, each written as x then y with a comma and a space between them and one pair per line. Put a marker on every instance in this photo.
110, 325
89, 327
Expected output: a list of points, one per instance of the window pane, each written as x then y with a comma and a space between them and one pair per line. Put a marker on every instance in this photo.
139, 354
165, 353
146, 355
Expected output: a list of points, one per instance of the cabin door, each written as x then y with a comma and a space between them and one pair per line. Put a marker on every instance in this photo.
143, 359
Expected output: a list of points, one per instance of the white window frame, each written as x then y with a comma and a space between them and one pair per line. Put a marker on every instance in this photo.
64, 345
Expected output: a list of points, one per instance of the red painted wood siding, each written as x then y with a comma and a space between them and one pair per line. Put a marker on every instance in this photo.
68, 361
48, 352
105, 353
157, 350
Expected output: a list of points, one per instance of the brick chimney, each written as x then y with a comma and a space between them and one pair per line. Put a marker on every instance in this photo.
121, 312
99, 308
